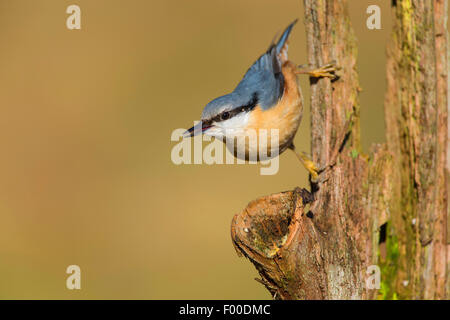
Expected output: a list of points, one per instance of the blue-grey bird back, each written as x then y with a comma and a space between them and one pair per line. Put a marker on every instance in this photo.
263, 80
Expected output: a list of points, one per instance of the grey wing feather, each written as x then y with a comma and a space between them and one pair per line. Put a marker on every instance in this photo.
264, 78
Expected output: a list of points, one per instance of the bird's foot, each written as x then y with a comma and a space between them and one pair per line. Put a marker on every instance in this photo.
326, 71
312, 168
309, 165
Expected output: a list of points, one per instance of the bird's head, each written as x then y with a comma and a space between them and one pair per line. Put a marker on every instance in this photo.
225, 116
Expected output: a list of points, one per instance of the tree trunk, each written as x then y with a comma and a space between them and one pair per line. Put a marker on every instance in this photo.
325, 244
416, 119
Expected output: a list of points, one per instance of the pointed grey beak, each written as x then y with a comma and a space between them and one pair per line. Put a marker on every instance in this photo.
199, 128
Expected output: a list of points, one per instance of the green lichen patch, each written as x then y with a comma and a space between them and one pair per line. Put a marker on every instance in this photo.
389, 267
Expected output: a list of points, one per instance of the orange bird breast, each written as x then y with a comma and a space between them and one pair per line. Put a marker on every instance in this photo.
286, 115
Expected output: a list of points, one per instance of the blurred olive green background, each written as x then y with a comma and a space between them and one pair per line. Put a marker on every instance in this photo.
86, 118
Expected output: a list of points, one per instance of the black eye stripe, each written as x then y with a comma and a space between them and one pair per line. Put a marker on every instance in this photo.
231, 113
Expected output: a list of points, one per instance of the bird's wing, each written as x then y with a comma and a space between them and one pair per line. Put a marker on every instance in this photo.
264, 78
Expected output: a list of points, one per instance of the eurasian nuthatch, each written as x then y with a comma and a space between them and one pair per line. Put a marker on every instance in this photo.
268, 97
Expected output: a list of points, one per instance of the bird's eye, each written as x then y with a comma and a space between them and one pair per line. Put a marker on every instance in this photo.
225, 115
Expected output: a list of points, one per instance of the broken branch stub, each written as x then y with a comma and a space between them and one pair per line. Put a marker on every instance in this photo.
278, 237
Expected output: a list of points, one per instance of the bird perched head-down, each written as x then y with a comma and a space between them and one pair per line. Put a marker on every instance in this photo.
267, 98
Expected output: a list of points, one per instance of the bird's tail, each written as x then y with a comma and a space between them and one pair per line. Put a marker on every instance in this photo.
282, 45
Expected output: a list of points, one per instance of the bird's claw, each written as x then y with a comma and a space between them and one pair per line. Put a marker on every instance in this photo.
312, 169
326, 71
309, 165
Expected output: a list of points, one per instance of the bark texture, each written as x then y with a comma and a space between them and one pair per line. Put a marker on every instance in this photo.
416, 118
320, 245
